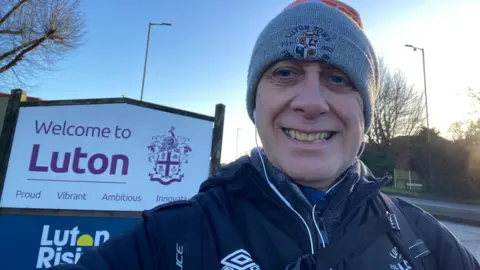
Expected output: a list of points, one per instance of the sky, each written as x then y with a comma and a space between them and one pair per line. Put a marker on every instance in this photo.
204, 55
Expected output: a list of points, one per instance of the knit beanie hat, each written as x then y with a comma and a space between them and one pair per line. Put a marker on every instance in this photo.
319, 30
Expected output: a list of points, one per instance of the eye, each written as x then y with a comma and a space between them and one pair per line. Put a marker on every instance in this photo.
285, 73
336, 79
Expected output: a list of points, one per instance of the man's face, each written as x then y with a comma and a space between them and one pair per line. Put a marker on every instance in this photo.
310, 120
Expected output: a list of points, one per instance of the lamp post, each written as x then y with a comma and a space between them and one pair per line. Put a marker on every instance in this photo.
236, 148
424, 85
146, 53
426, 108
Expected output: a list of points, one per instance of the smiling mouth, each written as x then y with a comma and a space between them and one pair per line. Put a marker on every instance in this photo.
303, 137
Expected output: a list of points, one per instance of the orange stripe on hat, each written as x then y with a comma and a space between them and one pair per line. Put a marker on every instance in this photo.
346, 9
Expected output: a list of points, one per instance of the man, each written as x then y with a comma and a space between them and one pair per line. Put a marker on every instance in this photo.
304, 201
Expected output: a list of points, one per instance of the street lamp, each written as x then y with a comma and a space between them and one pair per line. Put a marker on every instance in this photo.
236, 148
426, 108
146, 52
424, 85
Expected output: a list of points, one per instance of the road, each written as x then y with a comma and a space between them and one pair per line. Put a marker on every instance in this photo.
468, 235
458, 206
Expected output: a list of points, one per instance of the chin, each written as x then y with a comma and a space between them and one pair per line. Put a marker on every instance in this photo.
317, 173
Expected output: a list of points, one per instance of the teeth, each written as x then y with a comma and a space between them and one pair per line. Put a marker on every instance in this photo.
308, 137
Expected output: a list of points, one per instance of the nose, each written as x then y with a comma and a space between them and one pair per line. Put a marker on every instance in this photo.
311, 100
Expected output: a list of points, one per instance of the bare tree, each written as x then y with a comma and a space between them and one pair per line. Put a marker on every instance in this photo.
35, 34
474, 96
469, 129
399, 109
467, 132
457, 130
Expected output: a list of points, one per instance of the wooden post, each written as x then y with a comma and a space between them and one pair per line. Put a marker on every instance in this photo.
217, 138
8, 131
410, 178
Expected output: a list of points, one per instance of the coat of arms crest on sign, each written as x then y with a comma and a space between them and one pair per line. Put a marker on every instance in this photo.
168, 153
306, 45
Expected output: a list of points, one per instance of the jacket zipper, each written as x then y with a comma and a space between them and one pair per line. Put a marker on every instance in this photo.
319, 231
292, 212
362, 202
343, 223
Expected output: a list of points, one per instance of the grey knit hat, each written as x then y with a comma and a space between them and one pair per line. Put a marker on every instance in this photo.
318, 30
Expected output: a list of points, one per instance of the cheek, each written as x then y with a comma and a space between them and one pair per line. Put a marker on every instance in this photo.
356, 108
264, 107
358, 120
350, 110
270, 102
361, 116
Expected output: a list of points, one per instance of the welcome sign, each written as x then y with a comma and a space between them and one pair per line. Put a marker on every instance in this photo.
105, 157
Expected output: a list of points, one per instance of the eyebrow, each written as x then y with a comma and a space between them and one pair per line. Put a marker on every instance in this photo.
323, 64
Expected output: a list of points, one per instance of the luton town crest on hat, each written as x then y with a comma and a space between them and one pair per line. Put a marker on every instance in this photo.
306, 45
168, 153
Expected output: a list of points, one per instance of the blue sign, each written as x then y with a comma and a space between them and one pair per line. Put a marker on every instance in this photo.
40, 242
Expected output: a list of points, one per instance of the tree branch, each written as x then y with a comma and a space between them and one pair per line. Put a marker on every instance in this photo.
11, 32
14, 8
14, 61
36, 34
17, 49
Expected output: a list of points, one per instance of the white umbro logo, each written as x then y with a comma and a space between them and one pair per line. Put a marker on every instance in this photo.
239, 260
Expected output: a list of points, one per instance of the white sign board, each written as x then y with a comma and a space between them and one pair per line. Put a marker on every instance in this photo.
117, 157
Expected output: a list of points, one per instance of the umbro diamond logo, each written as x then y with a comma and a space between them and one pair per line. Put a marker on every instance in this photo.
239, 260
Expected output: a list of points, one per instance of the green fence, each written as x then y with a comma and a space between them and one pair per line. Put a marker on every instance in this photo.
407, 179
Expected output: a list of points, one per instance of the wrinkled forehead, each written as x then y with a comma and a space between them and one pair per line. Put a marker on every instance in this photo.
346, 9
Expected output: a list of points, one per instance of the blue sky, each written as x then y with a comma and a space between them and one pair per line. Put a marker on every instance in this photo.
204, 55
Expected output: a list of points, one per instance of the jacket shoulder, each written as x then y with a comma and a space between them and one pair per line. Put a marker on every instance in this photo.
224, 176
422, 221
130, 250
164, 230
411, 210
168, 207
166, 216
448, 251
210, 192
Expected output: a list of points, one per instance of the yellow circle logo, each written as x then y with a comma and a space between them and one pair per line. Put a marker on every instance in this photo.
85, 241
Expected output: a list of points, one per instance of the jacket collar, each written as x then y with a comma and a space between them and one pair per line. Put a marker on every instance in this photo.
245, 179
357, 180
305, 196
